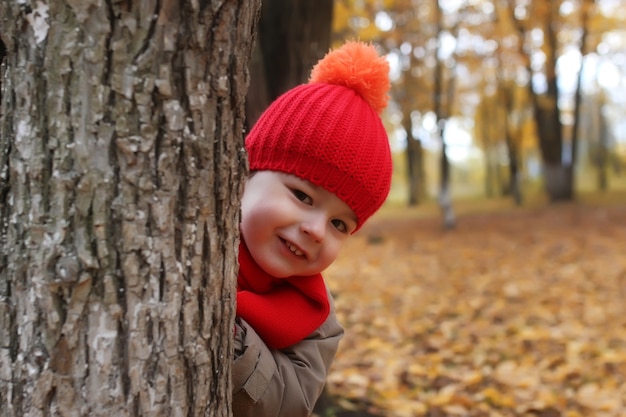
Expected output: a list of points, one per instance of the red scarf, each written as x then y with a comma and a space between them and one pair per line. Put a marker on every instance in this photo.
283, 311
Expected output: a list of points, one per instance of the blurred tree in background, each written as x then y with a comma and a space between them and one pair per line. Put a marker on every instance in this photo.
292, 36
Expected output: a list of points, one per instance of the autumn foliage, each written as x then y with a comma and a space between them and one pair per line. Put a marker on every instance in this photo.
516, 313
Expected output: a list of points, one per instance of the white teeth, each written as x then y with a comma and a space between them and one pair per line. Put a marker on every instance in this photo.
294, 250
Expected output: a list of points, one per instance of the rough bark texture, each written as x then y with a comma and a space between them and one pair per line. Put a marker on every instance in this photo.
121, 164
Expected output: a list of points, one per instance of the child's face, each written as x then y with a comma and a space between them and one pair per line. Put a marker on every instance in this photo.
291, 226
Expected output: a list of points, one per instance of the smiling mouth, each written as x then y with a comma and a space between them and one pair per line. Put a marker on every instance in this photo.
293, 249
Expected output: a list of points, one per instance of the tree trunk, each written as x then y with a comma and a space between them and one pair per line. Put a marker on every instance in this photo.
414, 165
559, 178
293, 36
120, 177
442, 110
560, 183
586, 7
602, 154
445, 195
506, 93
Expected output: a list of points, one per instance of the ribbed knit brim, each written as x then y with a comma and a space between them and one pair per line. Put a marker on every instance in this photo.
328, 135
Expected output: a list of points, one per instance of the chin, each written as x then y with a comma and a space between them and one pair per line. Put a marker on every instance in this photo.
275, 271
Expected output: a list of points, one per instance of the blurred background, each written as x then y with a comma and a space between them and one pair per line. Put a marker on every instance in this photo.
490, 99
493, 282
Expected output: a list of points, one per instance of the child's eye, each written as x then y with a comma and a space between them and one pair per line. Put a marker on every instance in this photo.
302, 196
340, 225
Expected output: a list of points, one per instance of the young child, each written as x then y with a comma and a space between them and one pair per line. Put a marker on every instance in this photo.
320, 166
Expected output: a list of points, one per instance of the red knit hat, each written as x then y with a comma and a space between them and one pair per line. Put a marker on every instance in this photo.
329, 131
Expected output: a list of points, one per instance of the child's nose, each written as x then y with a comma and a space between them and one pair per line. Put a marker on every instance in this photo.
315, 226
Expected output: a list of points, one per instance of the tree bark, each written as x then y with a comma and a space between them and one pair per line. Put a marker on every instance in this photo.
121, 169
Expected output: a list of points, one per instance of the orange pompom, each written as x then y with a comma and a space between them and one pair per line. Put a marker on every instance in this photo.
358, 66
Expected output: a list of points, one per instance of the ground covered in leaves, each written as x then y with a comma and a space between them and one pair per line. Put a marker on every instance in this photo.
517, 312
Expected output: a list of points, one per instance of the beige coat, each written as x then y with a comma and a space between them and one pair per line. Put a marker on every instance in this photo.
286, 382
